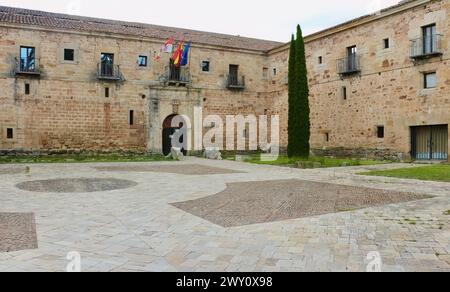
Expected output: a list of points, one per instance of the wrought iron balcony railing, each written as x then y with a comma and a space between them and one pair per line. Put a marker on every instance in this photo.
349, 65
178, 76
235, 81
109, 72
29, 68
426, 47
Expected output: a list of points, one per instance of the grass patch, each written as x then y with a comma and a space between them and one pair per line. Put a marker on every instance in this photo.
324, 162
439, 173
82, 158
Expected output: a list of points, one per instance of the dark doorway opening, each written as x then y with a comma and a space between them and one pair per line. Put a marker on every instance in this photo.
167, 134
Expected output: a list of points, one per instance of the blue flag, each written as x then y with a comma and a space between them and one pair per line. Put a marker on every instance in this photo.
185, 57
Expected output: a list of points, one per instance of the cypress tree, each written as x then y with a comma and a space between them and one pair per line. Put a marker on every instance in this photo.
292, 119
299, 111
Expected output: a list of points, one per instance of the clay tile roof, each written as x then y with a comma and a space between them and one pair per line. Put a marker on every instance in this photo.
49, 20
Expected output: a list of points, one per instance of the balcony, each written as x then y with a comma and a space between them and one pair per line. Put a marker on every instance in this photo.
235, 82
109, 72
349, 65
426, 47
30, 68
176, 76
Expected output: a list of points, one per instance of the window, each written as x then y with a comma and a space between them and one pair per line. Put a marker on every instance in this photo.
320, 60
9, 133
275, 72
327, 137
107, 64
380, 132
352, 59
205, 66
143, 61
352, 51
387, 44
106, 91
27, 88
131, 118
265, 73
430, 80
27, 59
344, 93
69, 55
429, 39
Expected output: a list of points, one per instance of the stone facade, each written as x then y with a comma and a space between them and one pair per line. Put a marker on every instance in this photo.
66, 108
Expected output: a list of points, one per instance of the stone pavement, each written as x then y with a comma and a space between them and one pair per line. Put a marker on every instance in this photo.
137, 228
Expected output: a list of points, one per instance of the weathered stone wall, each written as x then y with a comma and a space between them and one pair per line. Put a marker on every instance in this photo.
67, 108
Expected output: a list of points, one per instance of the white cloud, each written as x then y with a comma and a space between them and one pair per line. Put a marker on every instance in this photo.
261, 19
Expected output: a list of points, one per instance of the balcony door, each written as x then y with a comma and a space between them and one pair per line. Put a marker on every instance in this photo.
429, 39
174, 71
107, 64
352, 58
27, 59
233, 74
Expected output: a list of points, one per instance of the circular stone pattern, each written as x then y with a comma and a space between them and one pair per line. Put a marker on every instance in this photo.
76, 185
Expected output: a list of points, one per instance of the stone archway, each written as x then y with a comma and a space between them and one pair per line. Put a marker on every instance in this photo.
167, 133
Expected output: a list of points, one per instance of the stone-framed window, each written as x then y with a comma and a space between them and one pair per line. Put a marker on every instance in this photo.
380, 132
206, 66
344, 93
69, 54
386, 43
131, 118
9, 133
430, 80
265, 73
143, 61
27, 89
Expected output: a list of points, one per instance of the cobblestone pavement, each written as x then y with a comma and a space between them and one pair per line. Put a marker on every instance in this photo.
137, 229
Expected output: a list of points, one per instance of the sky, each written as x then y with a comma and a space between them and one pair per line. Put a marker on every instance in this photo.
272, 20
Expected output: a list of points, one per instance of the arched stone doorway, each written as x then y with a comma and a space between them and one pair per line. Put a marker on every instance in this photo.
167, 133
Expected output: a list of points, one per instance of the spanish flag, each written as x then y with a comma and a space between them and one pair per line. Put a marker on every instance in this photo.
178, 55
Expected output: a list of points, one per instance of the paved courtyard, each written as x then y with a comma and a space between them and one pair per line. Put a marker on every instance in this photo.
175, 216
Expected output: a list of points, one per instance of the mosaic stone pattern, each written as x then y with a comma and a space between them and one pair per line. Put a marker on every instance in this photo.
17, 232
268, 201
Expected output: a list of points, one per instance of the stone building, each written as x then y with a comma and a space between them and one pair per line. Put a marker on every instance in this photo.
379, 84
74, 83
